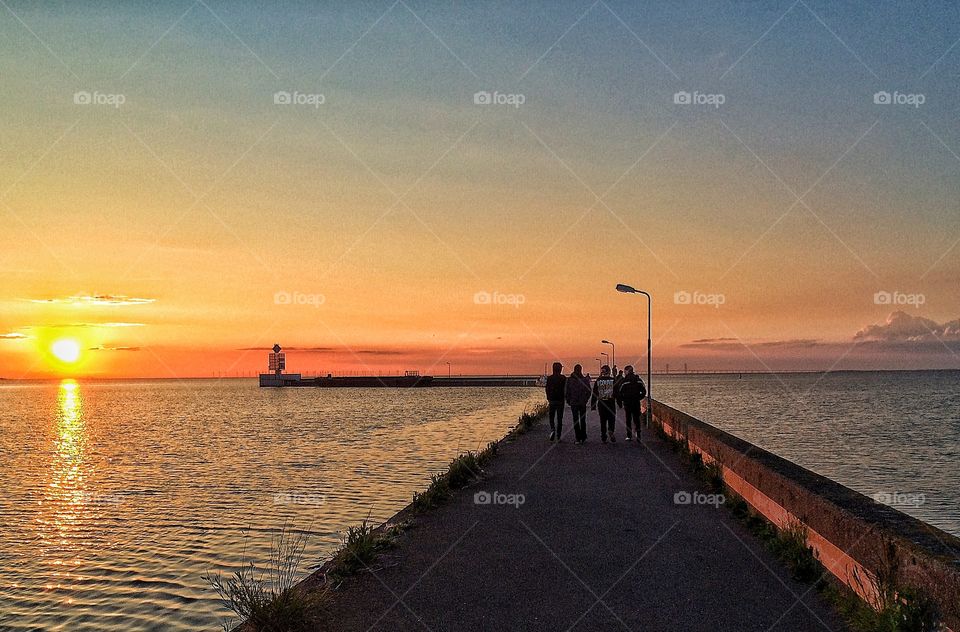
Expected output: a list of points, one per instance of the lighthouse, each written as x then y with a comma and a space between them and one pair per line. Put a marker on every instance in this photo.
276, 364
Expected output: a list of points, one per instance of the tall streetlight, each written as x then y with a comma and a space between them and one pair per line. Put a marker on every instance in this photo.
599, 363
448, 370
613, 353
606, 355
627, 289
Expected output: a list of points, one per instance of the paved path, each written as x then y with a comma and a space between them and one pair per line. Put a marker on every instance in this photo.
598, 544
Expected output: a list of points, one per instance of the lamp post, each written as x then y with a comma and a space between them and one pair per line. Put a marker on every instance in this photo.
448, 370
627, 289
599, 363
613, 355
606, 355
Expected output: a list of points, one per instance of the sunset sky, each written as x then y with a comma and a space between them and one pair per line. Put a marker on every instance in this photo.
166, 212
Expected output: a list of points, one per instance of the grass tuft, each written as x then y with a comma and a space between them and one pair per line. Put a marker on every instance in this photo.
528, 419
361, 545
268, 598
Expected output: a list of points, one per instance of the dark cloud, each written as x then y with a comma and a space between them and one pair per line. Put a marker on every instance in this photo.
112, 348
733, 344
322, 349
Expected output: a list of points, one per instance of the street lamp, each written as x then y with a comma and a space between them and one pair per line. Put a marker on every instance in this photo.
606, 355
448, 370
613, 353
627, 289
599, 363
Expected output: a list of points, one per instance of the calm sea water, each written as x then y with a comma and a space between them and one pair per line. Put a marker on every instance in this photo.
894, 436
117, 497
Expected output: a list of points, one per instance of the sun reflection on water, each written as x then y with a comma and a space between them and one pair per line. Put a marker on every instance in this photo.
63, 503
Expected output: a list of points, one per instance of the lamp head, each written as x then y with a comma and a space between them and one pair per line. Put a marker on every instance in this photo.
627, 289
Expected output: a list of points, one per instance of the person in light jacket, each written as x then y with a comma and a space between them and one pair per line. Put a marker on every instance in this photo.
603, 396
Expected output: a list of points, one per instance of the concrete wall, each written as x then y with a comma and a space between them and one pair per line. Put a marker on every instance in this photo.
851, 533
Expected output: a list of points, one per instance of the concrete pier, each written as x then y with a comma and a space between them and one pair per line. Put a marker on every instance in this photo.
568, 537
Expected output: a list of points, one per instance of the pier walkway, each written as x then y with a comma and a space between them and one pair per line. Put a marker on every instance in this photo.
598, 543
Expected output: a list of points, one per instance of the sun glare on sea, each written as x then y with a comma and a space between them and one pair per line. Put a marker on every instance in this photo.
67, 350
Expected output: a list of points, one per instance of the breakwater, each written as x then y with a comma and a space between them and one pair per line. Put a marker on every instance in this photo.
870, 547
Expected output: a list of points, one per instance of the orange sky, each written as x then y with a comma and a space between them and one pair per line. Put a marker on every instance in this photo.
186, 230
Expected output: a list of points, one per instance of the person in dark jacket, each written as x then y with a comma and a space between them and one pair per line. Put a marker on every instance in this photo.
630, 392
604, 397
577, 394
556, 390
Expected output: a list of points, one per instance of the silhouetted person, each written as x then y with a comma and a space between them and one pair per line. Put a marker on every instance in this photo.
556, 391
577, 394
630, 393
604, 397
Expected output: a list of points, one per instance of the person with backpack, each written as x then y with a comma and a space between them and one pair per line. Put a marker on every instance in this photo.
603, 396
556, 391
577, 394
630, 393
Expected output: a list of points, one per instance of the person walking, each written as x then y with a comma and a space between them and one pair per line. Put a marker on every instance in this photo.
556, 391
603, 396
577, 394
630, 393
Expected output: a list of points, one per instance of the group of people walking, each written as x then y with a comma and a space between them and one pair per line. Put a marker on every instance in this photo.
608, 392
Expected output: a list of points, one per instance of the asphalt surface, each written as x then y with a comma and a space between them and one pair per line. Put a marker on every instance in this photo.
598, 543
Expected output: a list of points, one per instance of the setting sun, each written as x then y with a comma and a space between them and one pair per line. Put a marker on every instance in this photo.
66, 350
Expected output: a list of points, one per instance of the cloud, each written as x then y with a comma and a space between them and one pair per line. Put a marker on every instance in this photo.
344, 350
707, 341
323, 349
903, 327
12, 336
112, 348
74, 325
734, 344
108, 300
793, 343
380, 352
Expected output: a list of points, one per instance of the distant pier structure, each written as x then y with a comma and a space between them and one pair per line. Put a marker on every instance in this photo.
276, 363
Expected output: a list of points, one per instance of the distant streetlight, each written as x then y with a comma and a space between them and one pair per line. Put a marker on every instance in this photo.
448, 369
606, 355
613, 352
599, 363
627, 289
